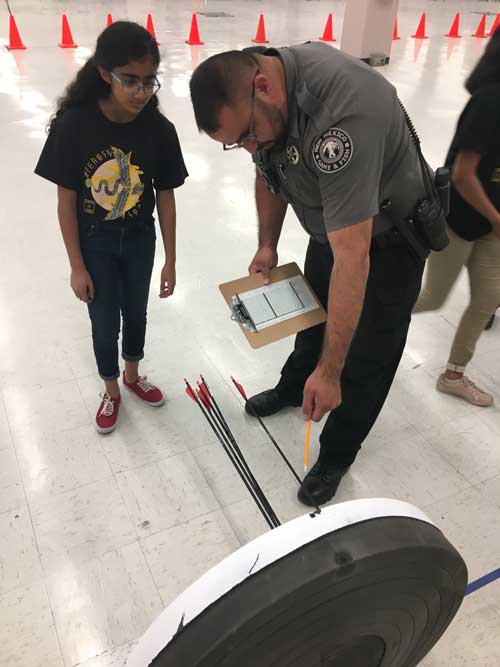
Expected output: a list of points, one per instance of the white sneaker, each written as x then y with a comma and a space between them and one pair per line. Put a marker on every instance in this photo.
466, 389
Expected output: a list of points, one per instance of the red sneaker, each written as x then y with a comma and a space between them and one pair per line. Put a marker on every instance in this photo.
107, 414
146, 391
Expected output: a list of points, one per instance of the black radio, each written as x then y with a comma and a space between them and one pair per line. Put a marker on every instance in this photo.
427, 230
430, 214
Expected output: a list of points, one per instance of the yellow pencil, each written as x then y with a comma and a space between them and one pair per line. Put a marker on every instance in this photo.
306, 446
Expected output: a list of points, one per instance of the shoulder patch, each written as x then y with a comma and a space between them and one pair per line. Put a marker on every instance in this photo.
332, 151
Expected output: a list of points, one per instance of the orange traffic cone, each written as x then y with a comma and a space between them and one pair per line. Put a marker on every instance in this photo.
481, 28
328, 33
109, 20
194, 33
395, 35
495, 25
455, 27
260, 37
15, 41
420, 34
67, 38
150, 27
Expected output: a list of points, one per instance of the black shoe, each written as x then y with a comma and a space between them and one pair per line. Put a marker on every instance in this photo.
489, 324
267, 403
321, 484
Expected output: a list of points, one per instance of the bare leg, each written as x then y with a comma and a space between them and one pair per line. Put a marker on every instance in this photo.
131, 371
112, 388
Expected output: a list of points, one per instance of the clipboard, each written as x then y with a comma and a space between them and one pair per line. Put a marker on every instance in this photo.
270, 318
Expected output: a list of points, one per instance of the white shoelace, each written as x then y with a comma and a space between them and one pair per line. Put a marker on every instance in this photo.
107, 405
143, 384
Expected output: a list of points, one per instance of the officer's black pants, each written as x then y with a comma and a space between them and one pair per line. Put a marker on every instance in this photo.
393, 286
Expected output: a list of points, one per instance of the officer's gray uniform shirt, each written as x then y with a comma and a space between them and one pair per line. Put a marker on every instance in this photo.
348, 148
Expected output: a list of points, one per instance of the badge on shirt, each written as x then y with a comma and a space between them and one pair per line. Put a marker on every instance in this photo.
332, 151
292, 154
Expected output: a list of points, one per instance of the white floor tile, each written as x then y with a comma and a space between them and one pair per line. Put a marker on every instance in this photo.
471, 521
247, 521
11, 487
167, 362
470, 446
414, 397
429, 341
409, 469
75, 526
102, 604
5, 438
80, 356
117, 657
199, 545
491, 592
233, 356
390, 426
53, 463
27, 633
266, 465
58, 407
30, 366
472, 638
491, 416
164, 494
19, 557
143, 434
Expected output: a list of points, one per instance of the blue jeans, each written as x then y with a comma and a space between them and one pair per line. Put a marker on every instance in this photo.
120, 263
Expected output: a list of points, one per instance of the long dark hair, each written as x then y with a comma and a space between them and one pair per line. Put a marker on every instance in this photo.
487, 70
116, 46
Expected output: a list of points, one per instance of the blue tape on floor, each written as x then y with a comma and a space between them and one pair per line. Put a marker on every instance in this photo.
483, 581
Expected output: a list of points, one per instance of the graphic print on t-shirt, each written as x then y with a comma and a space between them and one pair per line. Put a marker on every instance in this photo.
114, 183
495, 176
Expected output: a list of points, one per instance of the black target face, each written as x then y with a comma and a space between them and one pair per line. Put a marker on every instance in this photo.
377, 593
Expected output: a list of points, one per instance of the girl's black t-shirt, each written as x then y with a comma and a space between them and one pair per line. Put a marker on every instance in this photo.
113, 167
478, 131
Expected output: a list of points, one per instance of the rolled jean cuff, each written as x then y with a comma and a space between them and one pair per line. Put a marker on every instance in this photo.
109, 378
132, 357
455, 368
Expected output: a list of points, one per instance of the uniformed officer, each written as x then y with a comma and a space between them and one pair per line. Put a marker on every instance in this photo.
328, 136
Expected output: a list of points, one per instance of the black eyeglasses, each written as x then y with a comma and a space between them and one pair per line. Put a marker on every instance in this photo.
134, 86
250, 135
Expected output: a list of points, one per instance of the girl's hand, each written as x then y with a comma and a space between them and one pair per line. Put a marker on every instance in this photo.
167, 280
82, 285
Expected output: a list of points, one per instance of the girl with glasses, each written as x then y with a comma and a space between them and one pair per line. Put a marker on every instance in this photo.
109, 150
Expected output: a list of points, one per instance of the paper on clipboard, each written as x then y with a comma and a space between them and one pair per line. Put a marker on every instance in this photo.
278, 302
289, 305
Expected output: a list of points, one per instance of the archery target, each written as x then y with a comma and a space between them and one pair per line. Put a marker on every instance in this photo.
367, 583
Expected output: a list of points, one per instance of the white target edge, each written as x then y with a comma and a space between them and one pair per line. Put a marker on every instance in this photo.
256, 556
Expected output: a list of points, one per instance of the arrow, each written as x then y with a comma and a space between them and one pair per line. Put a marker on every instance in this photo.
242, 392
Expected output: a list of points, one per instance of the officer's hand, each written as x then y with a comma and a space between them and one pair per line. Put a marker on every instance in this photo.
265, 259
82, 285
321, 395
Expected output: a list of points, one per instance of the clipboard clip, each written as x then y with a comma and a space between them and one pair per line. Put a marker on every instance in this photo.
241, 315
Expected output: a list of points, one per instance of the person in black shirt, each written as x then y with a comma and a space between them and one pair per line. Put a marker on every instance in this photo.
109, 147
474, 222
